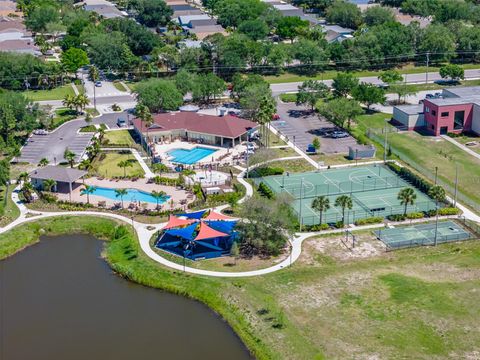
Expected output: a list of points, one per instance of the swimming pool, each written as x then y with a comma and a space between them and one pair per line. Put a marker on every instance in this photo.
133, 195
184, 156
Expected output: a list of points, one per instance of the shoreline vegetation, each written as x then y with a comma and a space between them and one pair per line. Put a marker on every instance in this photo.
123, 254
332, 303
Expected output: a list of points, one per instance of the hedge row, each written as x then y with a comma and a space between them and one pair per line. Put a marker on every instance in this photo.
265, 190
265, 171
370, 220
411, 177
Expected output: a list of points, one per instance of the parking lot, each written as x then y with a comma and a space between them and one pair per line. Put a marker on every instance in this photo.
302, 126
53, 145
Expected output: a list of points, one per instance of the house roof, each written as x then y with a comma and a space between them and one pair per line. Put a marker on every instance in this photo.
410, 109
225, 126
57, 173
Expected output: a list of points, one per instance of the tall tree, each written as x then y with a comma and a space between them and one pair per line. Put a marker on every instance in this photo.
344, 202
121, 193
289, 27
152, 13
310, 91
69, 156
264, 117
341, 111
88, 190
344, 14
344, 83
407, 197
321, 204
369, 94
453, 71
73, 59
159, 95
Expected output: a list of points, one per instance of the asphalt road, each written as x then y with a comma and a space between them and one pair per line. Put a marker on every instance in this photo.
410, 79
53, 145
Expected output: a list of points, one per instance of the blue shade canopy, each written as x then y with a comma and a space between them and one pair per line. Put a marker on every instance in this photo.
184, 233
194, 215
223, 226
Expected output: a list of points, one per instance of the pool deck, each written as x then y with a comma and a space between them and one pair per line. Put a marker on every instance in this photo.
221, 156
141, 184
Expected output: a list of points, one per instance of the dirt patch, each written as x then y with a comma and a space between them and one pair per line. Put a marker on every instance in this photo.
340, 248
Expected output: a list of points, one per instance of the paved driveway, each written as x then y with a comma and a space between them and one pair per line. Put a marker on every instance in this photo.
53, 145
298, 121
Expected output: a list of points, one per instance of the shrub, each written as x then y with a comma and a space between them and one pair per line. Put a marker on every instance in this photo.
448, 211
394, 167
265, 190
370, 220
396, 217
339, 225
411, 177
415, 215
265, 171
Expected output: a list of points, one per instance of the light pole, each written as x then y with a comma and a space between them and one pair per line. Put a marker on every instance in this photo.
456, 186
301, 203
385, 142
428, 61
436, 174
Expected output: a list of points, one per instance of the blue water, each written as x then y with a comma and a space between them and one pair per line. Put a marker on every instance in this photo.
133, 195
189, 157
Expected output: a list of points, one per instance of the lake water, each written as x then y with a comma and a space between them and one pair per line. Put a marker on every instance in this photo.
60, 300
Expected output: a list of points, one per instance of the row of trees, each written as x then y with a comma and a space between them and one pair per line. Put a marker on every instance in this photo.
406, 196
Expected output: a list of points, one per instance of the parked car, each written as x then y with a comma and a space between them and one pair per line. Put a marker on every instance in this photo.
121, 122
98, 83
40, 132
339, 134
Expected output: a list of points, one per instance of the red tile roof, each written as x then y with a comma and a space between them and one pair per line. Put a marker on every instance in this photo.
225, 126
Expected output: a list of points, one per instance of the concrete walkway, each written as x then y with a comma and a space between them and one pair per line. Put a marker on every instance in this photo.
461, 146
146, 231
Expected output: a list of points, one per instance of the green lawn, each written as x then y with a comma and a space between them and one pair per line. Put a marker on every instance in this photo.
464, 139
119, 86
330, 74
332, 304
106, 165
296, 165
62, 115
8, 210
119, 138
288, 98
430, 152
54, 94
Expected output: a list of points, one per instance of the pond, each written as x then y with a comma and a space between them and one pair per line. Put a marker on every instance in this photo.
60, 300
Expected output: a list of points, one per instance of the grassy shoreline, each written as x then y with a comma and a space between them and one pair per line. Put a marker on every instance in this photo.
125, 257
332, 303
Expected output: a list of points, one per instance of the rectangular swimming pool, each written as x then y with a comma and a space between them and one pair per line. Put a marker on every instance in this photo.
189, 157
133, 195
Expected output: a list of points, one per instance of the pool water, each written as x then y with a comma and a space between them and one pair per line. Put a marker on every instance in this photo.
184, 156
133, 195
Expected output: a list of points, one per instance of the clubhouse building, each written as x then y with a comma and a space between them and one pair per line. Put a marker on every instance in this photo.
225, 131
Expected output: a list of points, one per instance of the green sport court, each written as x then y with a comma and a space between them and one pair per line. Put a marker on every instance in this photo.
422, 234
373, 189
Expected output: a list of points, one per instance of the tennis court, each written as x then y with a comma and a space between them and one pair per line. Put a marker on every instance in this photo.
373, 189
422, 234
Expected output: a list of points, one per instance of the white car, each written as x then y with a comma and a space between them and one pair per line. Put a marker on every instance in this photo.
40, 132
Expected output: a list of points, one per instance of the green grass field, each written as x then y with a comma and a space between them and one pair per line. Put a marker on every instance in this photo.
330, 74
9, 211
119, 86
430, 152
108, 166
119, 137
332, 304
54, 94
62, 115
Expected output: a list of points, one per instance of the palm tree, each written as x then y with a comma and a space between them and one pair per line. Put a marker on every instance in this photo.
24, 176
49, 184
81, 101
121, 193
69, 156
158, 195
88, 190
437, 193
345, 202
321, 204
27, 190
101, 135
85, 164
124, 164
143, 113
160, 168
43, 162
407, 197
88, 118
69, 101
